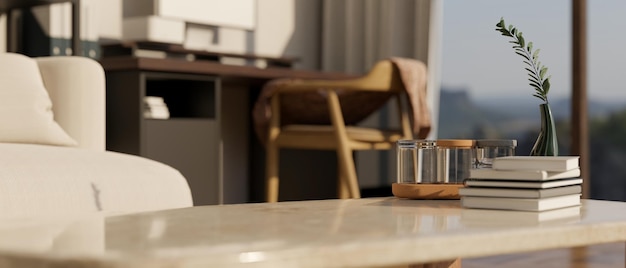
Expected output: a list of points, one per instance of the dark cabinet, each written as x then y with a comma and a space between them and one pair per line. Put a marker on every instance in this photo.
189, 140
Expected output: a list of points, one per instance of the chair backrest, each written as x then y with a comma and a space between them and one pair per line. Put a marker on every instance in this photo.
384, 75
309, 105
379, 84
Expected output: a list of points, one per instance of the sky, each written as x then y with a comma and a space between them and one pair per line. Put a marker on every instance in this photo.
478, 58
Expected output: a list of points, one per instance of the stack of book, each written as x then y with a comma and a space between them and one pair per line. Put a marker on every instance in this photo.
155, 108
524, 183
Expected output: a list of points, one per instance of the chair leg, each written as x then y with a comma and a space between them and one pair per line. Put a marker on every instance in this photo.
344, 152
343, 191
271, 173
346, 164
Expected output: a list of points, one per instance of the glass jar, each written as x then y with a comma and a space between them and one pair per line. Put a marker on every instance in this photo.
487, 150
417, 161
454, 160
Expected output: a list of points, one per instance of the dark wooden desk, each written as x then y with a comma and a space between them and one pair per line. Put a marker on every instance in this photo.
7, 6
211, 137
247, 73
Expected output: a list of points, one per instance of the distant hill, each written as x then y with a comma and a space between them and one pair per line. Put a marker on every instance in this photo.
528, 106
460, 116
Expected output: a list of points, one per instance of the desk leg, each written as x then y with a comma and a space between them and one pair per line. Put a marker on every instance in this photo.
443, 264
11, 33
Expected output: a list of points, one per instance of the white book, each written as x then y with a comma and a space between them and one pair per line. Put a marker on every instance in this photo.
154, 101
156, 114
520, 193
523, 204
490, 217
523, 184
547, 163
522, 175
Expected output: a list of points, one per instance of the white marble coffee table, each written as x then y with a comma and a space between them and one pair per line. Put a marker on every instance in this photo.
329, 233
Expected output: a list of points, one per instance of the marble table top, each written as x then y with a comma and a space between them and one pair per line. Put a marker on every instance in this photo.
327, 233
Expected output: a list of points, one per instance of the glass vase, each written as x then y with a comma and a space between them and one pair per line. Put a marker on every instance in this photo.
546, 144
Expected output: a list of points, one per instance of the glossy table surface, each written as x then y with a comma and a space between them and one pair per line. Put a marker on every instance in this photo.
327, 233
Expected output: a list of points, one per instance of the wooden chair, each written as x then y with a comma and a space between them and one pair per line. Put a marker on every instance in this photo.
304, 124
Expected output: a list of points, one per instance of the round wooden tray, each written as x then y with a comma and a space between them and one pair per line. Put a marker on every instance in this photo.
426, 191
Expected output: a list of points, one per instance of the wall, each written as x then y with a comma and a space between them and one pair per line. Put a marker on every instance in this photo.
109, 19
289, 28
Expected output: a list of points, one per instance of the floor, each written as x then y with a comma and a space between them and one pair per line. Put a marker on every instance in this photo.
598, 256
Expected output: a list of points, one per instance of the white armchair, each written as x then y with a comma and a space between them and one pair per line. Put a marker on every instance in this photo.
47, 169
76, 86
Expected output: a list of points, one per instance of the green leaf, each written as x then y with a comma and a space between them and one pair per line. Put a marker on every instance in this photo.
536, 54
543, 71
533, 79
521, 39
530, 46
504, 32
522, 54
546, 86
543, 98
535, 85
529, 64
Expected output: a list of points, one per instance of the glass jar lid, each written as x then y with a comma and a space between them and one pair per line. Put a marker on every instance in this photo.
426, 143
496, 143
407, 143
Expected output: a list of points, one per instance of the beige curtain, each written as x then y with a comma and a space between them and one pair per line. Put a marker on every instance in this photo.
357, 33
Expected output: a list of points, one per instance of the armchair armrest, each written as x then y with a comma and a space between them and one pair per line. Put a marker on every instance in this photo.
76, 86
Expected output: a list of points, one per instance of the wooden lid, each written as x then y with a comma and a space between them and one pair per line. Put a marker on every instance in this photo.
426, 190
455, 143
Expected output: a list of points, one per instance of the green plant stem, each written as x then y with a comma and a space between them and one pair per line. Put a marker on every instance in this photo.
537, 72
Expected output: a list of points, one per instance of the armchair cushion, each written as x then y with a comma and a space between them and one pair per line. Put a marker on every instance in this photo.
25, 107
39, 180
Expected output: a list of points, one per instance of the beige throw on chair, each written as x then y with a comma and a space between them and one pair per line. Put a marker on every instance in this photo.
320, 114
